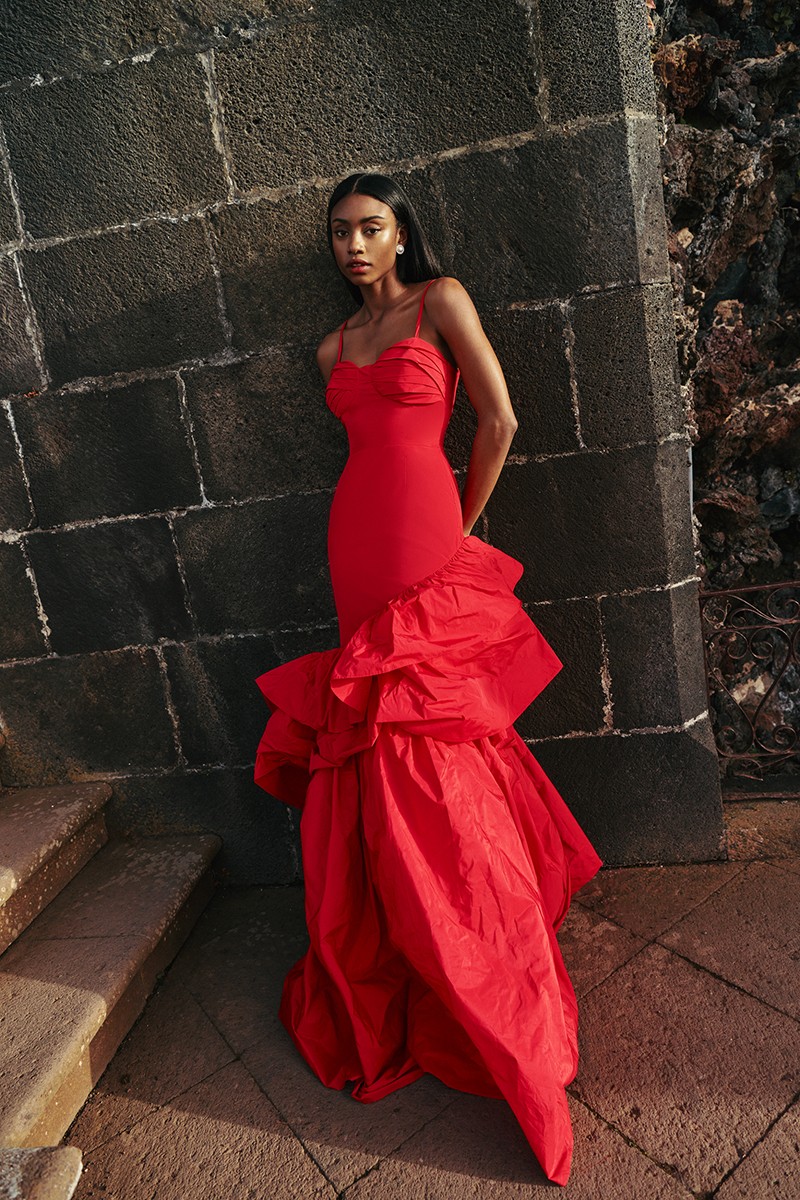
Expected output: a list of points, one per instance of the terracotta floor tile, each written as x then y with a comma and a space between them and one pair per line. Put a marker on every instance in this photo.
647, 900
749, 933
690, 1068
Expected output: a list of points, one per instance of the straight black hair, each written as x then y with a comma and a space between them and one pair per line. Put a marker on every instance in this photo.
419, 261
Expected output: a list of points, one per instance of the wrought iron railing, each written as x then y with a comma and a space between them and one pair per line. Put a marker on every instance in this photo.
751, 640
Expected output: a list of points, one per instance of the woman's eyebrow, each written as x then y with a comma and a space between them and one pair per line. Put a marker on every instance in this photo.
341, 220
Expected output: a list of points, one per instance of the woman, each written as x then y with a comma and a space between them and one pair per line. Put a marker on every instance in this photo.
438, 857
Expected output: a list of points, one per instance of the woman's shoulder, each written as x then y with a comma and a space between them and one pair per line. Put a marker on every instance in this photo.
447, 297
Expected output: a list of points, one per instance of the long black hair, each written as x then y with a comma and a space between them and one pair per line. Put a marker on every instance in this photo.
419, 261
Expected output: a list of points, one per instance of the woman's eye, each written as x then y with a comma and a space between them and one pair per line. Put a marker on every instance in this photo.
373, 230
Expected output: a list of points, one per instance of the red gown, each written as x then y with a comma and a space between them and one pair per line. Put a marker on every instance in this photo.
439, 859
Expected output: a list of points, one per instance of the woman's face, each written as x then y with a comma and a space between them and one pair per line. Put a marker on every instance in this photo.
365, 238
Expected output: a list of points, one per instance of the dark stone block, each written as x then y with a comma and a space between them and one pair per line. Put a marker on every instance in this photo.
460, 432
326, 97
107, 453
531, 345
644, 165
110, 585
273, 295
546, 219
51, 40
292, 643
259, 842
9, 222
588, 523
642, 798
157, 304
596, 58
221, 712
626, 366
258, 566
15, 509
20, 630
574, 700
18, 369
68, 718
77, 170
262, 427
655, 652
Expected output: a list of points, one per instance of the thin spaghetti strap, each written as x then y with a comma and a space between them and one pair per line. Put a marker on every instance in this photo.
421, 305
341, 339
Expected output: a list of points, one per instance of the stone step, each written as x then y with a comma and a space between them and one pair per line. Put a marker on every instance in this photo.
75, 981
47, 835
46, 1173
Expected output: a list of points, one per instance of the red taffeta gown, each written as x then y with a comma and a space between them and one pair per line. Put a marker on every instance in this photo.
438, 857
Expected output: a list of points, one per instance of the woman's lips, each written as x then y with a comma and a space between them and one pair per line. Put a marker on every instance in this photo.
357, 266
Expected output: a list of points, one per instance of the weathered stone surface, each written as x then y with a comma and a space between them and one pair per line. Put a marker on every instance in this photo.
532, 346
15, 510
593, 948
772, 1168
221, 713
263, 427
259, 837
346, 1138
476, 60
648, 900
18, 368
66, 717
655, 656
696, 1071
476, 1149
54, 43
9, 222
175, 1152
20, 628
765, 829
660, 798
236, 959
110, 585
84, 965
45, 1173
135, 432
38, 829
272, 296
157, 306
626, 370
258, 565
78, 167
573, 191
596, 58
574, 699
748, 933
565, 519
170, 1050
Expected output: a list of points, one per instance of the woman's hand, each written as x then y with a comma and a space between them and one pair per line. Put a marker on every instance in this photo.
451, 311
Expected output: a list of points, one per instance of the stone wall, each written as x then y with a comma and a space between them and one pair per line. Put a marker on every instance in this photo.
166, 457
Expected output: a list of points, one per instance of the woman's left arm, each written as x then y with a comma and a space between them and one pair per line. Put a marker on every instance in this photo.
452, 312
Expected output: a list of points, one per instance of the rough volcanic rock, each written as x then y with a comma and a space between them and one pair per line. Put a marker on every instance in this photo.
728, 86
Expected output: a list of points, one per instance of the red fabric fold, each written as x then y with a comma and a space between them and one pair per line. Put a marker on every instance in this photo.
439, 859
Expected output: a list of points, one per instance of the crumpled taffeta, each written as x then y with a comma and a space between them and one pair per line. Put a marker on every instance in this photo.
439, 859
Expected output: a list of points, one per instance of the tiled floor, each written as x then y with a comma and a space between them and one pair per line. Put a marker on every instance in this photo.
689, 1083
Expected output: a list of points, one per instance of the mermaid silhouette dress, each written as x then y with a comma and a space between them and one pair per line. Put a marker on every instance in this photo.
439, 859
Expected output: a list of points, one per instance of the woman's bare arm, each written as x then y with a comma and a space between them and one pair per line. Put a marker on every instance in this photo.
452, 313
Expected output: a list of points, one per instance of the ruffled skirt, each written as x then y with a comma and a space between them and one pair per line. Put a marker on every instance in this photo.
439, 859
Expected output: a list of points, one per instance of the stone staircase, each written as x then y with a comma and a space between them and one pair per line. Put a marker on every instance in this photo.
86, 926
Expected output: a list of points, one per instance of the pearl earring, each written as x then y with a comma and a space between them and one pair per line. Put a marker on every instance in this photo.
400, 249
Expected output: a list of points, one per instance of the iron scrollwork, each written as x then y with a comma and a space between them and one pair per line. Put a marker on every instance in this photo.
751, 641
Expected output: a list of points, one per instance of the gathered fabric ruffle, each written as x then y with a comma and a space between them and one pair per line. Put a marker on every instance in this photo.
439, 859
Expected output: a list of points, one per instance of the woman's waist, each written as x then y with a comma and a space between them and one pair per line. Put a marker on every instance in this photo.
396, 447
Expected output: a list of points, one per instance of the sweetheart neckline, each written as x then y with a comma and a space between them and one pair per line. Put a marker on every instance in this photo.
394, 345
